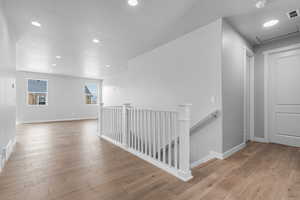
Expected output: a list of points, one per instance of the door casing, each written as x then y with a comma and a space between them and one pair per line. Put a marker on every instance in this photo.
267, 86
249, 96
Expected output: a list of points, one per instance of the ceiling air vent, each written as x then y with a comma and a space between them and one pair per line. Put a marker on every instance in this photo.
293, 14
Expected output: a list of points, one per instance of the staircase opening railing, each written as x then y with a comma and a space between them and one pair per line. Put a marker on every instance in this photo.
159, 137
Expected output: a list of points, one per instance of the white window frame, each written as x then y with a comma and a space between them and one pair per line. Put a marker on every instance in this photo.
27, 92
87, 83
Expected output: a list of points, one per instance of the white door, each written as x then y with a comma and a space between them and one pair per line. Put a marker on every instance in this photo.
284, 98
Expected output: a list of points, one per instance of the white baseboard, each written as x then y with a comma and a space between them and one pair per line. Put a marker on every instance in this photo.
261, 140
233, 150
207, 158
56, 120
217, 155
179, 174
6, 152
10, 147
221, 156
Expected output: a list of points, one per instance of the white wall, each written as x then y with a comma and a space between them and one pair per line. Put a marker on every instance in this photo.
65, 99
233, 64
259, 80
186, 70
7, 80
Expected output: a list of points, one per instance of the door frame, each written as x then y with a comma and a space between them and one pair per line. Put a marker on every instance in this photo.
249, 53
267, 86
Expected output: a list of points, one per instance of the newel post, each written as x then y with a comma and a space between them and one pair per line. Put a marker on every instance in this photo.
184, 140
125, 123
100, 120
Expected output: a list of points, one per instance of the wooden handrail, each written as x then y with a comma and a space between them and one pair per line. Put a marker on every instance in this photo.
204, 121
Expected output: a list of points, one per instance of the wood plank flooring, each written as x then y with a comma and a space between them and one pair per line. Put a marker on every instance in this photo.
66, 161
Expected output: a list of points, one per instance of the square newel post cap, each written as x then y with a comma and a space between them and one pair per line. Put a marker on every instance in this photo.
185, 112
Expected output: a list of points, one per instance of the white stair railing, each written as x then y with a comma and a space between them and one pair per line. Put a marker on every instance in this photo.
159, 137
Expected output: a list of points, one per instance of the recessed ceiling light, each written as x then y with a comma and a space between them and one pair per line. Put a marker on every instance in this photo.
53, 64
36, 23
270, 23
58, 57
133, 2
95, 40
108, 66
261, 3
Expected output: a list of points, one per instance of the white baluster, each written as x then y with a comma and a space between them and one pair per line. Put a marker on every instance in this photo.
143, 131
131, 128
119, 115
158, 134
154, 134
139, 129
135, 128
113, 124
170, 136
147, 132
151, 133
175, 140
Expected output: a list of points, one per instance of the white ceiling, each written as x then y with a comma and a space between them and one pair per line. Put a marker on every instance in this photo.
250, 24
68, 27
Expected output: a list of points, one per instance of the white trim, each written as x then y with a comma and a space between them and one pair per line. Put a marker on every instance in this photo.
56, 120
182, 176
249, 53
228, 153
233, 150
220, 156
266, 97
207, 158
245, 95
252, 98
287, 48
217, 155
261, 140
8, 150
266, 85
10, 147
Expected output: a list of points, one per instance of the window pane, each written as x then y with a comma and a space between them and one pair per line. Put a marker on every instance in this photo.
37, 92
37, 98
91, 93
37, 86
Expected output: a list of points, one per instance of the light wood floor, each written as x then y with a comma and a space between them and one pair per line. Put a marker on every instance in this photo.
66, 161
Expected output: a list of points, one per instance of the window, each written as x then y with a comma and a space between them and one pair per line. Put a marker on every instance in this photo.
91, 93
37, 92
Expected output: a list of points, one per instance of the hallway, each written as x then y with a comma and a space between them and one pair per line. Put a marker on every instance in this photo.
67, 161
